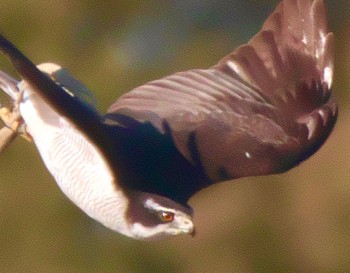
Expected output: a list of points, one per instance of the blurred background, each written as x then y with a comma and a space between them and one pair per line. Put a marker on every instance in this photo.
294, 222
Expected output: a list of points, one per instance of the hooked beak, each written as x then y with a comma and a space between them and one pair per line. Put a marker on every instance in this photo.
192, 233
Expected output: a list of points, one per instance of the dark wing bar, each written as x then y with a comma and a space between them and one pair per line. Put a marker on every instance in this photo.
82, 116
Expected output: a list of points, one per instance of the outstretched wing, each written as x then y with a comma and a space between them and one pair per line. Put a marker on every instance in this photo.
65, 95
261, 110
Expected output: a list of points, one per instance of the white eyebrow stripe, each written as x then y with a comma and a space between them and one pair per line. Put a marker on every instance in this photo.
151, 204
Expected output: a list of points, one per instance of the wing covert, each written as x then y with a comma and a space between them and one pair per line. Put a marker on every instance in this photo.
262, 109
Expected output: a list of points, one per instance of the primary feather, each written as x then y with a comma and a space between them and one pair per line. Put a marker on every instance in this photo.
262, 109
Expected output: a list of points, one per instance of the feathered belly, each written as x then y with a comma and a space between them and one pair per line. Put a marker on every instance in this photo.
77, 166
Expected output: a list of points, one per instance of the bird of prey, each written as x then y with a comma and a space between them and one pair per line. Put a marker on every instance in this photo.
263, 109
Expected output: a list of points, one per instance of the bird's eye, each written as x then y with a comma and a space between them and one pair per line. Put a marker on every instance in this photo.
166, 216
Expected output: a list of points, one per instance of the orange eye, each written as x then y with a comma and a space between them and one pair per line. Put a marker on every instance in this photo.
166, 216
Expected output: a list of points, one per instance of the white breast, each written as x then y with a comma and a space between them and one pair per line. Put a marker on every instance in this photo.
77, 166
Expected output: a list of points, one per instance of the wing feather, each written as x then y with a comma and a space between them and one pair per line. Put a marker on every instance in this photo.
262, 109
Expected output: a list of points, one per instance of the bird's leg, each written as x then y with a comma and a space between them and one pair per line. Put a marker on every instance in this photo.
13, 119
7, 134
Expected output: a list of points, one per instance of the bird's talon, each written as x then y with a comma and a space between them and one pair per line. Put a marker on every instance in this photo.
13, 119
22, 130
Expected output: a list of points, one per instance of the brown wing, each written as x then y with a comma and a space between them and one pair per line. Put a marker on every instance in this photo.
262, 109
